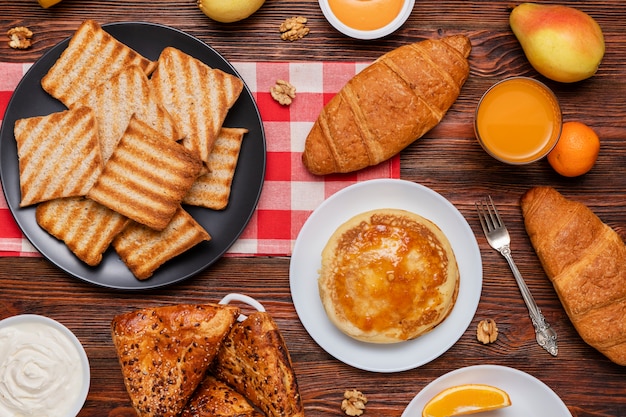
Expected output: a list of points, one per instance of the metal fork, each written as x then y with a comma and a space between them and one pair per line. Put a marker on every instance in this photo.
499, 239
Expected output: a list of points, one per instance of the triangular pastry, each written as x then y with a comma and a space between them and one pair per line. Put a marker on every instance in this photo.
254, 360
164, 352
213, 398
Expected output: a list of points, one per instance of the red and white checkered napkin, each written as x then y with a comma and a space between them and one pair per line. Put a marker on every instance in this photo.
290, 193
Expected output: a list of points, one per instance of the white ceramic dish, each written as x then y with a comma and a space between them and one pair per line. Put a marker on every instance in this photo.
394, 25
306, 262
529, 396
39, 355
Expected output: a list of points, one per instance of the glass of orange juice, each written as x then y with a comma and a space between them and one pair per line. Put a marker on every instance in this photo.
518, 120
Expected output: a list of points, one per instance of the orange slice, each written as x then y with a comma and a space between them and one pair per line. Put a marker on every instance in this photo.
466, 399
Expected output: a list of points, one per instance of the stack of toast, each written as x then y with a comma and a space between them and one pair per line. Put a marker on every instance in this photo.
139, 139
200, 361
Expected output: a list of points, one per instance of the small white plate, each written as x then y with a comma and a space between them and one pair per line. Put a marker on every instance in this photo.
529, 396
306, 261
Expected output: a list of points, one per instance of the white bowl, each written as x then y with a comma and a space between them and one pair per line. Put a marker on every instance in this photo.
405, 12
62, 377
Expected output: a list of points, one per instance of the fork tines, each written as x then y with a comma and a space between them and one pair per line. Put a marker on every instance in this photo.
488, 214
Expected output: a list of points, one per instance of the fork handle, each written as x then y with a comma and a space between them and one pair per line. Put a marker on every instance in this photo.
545, 335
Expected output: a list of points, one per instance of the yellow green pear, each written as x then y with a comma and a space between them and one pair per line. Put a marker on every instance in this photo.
562, 43
228, 11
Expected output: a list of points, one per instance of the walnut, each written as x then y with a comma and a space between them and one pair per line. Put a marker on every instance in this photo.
283, 92
487, 331
294, 28
353, 403
20, 37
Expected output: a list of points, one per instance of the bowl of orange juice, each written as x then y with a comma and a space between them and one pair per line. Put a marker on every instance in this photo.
518, 120
366, 19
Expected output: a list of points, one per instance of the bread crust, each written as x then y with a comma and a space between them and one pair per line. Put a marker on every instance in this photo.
585, 259
387, 106
387, 276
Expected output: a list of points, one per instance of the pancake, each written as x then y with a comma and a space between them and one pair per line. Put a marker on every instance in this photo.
388, 276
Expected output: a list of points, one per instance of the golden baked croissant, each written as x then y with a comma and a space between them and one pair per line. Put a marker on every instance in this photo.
388, 105
586, 261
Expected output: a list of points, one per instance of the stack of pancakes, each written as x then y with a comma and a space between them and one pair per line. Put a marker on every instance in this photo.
387, 276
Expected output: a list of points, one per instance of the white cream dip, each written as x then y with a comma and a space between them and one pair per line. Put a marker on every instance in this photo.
41, 373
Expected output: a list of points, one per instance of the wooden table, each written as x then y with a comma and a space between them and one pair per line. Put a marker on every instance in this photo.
447, 159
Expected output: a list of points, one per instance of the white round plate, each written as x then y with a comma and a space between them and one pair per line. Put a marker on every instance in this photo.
529, 396
306, 261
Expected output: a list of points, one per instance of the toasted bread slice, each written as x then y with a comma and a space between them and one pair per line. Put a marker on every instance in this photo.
86, 227
214, 398
59, 155
91, 57
126, 93
144, 249
254, 360
164, 352
146, 177
196, 95
212, 189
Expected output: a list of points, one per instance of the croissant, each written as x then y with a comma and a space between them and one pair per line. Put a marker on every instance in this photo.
387, 106
586, 262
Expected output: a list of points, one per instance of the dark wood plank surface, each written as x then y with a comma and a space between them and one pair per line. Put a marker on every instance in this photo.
447, 159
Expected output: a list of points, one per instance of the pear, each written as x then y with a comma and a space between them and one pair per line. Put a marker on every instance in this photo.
562, 43
228, 11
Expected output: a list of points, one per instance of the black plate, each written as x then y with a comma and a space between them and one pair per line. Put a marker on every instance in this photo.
29, 99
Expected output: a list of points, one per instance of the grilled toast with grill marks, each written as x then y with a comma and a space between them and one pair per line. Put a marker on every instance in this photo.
196, 95
143, 249
146, 177
212, 189
59, 155
91, 57
86, 227
114, 102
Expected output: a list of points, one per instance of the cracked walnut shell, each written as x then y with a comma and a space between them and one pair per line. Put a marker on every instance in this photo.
487, 331
353, 403
283, 92
20, 37
293, 28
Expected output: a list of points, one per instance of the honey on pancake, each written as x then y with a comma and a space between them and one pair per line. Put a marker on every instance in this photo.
388, 274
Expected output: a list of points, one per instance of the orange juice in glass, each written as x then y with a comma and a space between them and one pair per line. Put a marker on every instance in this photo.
518, 120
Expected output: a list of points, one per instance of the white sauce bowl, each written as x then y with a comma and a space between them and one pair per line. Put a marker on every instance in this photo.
395, 24
44, 369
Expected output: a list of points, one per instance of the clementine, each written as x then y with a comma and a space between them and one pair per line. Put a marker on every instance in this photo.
466, 399
576, 151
